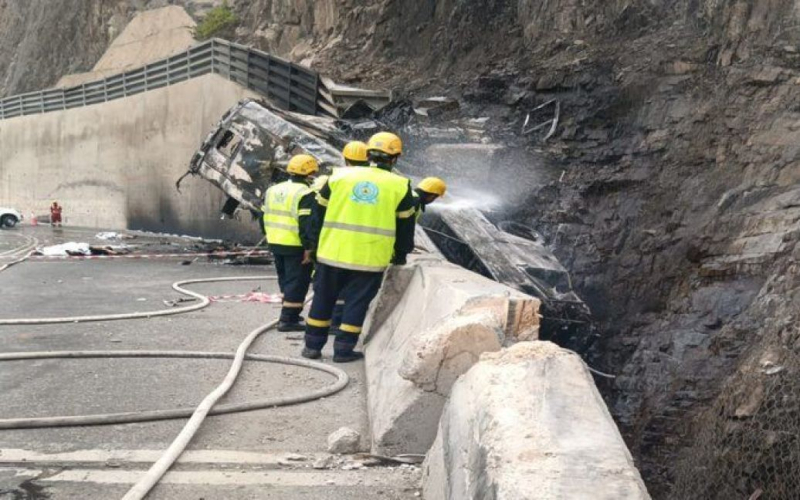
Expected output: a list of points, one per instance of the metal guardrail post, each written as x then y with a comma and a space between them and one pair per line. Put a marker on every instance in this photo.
247, 73
213, 62
230, 58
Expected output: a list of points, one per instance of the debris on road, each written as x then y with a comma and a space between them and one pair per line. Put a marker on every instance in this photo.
181, 300
113, 235
74, 249
260, 297
326, 462
344, 441
70, 248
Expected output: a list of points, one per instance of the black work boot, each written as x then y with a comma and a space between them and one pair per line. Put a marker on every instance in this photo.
343, 348
311, 353
347, 357
285, 326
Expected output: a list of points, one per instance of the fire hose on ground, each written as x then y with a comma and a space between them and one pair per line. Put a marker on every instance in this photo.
207, 407
16, 253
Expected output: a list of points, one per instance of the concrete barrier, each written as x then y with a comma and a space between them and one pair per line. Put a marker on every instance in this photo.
527, 422
429, 324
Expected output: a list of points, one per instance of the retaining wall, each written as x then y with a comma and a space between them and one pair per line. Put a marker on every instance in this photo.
115, 164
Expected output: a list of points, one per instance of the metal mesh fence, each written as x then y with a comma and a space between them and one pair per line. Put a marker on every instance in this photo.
747, 444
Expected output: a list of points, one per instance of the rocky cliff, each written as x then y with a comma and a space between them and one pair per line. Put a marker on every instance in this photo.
678, 211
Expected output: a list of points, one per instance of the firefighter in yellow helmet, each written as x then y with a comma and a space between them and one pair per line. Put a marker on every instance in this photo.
355, 154
287, 227
427, 191
365, 215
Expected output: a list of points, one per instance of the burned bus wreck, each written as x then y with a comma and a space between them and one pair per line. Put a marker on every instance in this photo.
247, 151
249, 148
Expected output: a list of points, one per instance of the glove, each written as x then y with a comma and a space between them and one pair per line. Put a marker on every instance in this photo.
399, 260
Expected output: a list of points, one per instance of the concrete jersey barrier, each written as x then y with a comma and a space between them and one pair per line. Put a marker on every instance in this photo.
528, 422
429, 324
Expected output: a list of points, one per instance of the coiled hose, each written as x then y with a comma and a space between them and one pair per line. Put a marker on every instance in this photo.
198, 415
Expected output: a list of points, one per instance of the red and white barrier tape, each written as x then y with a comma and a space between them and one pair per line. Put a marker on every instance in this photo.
148, 256
264, 298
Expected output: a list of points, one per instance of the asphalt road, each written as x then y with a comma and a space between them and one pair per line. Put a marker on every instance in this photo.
252, 455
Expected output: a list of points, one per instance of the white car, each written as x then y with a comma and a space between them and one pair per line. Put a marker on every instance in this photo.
9, 217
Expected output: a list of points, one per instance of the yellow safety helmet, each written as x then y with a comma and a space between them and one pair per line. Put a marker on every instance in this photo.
433, 185
319, 183
302, 165
355, 151
385, 142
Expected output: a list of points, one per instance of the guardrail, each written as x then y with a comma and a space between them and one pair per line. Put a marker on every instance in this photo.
288, 85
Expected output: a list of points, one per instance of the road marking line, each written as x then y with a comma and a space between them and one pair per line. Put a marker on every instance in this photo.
16, 456
216, 477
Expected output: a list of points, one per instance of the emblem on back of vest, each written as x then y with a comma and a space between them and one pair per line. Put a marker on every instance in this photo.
365, 192
279, 197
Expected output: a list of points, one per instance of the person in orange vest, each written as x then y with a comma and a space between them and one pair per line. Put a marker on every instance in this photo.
55, 214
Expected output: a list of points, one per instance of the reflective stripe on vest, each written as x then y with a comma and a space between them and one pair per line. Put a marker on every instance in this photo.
417, 206
281, 204
360, 221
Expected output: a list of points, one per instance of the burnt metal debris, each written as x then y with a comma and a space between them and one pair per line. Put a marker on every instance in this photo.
249, 148
466, 237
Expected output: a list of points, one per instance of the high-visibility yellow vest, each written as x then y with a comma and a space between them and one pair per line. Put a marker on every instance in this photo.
359, 228
281, 211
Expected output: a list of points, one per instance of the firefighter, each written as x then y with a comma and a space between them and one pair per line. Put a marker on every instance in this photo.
287, 226
427, 191
367, 220
355, 154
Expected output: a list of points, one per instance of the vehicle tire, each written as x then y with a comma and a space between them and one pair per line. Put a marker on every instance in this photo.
8, 221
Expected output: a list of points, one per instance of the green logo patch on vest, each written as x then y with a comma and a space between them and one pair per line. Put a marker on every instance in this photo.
279, 196
365, 192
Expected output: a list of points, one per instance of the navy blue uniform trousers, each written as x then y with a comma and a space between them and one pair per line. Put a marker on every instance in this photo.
356, 289
294, 278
